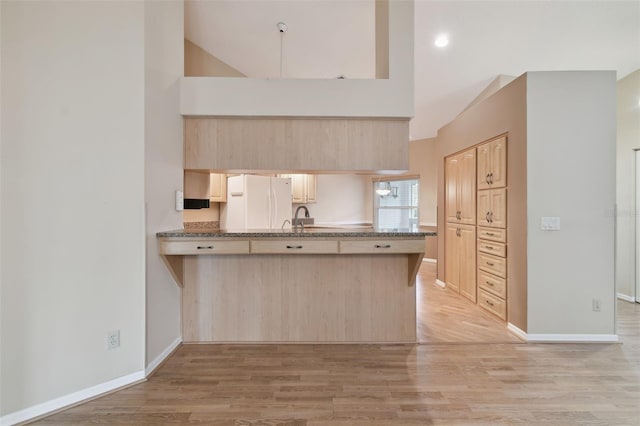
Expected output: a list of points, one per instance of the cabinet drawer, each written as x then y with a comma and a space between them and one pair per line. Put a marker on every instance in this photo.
203, 247
493, 304
493, 234
294, 246
492, 284
382, 246
493, 264
492, 247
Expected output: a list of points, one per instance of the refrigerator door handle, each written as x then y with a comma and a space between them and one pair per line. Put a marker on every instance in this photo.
275, 208
270, 195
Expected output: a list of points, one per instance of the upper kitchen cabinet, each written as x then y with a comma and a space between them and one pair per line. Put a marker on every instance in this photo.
303, 188
204, 185
218, 187
196, 185
337, 144
492, 164
460, 188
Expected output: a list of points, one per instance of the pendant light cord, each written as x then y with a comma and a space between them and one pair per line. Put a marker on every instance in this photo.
281, 51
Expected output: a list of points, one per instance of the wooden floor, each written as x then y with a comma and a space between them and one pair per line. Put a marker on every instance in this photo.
443, 383
446, 317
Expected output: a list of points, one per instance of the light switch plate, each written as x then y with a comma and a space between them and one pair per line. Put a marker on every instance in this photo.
550, 223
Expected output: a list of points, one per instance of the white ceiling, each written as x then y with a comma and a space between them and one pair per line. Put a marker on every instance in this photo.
327, 38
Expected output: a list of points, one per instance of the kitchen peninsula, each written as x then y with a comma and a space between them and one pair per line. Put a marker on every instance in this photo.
320, 285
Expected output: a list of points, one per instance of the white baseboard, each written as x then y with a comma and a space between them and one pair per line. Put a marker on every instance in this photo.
71, 399
563, 338
572, 338
626, 298
88, 393
429, 260
515, 330
441, 283
163, 355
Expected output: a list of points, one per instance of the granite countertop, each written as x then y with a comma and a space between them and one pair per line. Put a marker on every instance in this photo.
287, 233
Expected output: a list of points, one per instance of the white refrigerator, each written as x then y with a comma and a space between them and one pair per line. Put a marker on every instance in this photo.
256, 202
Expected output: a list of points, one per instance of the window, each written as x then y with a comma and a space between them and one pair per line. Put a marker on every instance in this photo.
396, 204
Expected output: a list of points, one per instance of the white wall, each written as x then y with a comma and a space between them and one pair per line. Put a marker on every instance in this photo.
392, 97
571, 131
72, 196
423, 161
164, 45
342, 199
628, 126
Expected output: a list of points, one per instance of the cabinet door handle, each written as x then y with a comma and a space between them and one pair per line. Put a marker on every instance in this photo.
383, 245
491, 216
489, 303
205, 247
491, 177
489, 263
487, 217
491, 234
487, 179
488, 247
294, 247
489, 283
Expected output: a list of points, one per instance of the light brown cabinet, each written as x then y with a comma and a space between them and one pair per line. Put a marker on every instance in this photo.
492, 224
460, 265
492, 208
476, 195
218, 187
203, 185
196, 184
460, 188
303, 188
492, 164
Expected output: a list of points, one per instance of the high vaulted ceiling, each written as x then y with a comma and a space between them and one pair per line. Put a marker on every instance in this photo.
331, 38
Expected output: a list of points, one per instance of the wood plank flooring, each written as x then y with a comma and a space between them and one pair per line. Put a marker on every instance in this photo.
443, 383
446, 317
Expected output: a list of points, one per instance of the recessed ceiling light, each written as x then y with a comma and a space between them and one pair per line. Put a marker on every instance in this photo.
442, 40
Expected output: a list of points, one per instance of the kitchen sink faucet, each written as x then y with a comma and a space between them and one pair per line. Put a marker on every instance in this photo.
297, 222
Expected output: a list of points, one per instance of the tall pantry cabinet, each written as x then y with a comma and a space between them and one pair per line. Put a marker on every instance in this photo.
476, 222
460, 234
492, 226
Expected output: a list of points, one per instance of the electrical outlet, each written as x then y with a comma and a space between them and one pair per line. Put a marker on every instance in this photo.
596, 305
113, 339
